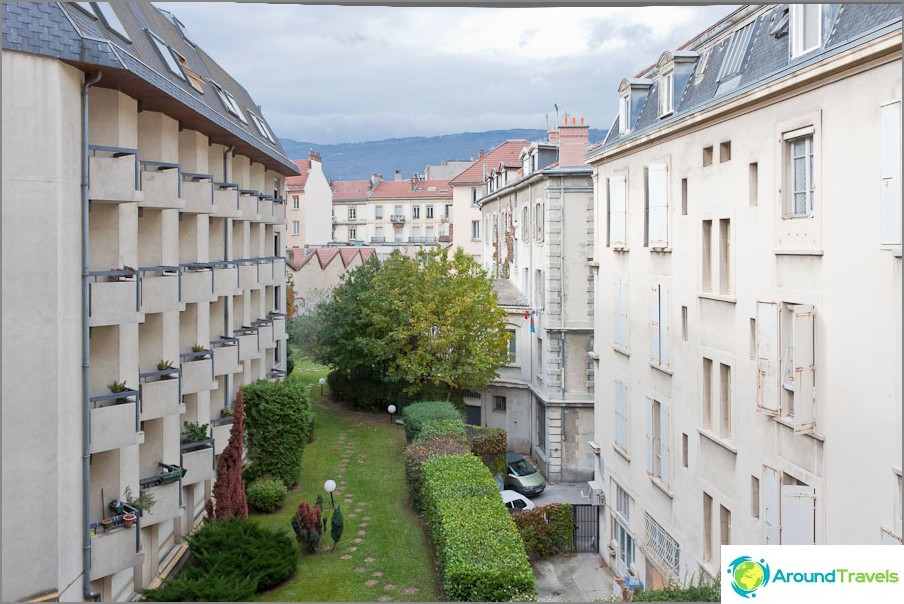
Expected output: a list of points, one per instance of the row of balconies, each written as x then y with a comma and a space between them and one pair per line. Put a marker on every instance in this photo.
116, 175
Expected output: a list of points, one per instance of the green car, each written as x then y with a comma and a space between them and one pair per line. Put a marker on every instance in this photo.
522, 476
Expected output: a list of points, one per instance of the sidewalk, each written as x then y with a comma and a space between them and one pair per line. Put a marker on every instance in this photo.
574, 578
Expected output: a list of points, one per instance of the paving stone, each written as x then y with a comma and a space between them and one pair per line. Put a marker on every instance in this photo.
384, 599
345, 557
357, 540
368, 518
410, 590
351, 549
360, 569
377, 574
346, 500
389, 587
363, 524
371, 582
370, 559
362, 533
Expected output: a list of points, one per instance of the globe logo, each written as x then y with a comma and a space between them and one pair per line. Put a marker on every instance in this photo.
748, 575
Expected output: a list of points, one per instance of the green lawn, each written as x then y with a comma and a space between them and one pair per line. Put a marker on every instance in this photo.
393, 554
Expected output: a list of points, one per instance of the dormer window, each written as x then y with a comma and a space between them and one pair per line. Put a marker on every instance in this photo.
229, 102
624, 113
806, 28
666, 93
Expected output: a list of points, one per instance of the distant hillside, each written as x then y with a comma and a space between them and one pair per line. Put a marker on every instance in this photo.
354, 161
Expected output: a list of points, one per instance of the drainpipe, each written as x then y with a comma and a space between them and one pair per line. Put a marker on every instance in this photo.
227, 328
86, 356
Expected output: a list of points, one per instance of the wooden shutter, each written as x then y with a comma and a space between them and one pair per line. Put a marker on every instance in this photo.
617, 211
664, 325
657, 189
665, 450
769, 502
803, 363
654, 325
767, 395
890, 173
798, 514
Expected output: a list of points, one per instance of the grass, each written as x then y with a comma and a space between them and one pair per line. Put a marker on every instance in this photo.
394, 536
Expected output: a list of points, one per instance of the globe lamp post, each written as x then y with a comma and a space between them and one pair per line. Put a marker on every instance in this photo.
329, 486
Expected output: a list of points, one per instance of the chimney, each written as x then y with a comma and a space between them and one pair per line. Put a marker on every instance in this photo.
375, 179
574, 141
480, 154
313, 156
398, 175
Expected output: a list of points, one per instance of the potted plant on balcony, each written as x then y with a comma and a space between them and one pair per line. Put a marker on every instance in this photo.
129, 519
142, 503
129, 271
170, 473
201, 348
193, 432
226, 412
163, 365
118, 388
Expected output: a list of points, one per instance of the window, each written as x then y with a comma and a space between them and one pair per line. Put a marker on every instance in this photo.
707, 156
806, 28
624, 114
754, 497
890, 173
621, 416
296, 202
475, 230
666, 93
725, 525
540, 286
617, 190
352, 213
540, 360
707, 393
753, 185
108, 16
296, 227
734, 57
352, 234
684, 450
725, 401
658, 450
430, 235
707, 241
499, 404
659, 326
623, 504
541, 424
707, 527
621, 520
166, 54
398, 213
229, 102
474, 196
378, 235
621, 313
684, 323
724, 152
429, 212
752, 350
415, 211
416, 234
684, 197
378, 212
525, 223
262, 127
725, 256
538, 221
512, 345
657, 177
663, 550
799, 199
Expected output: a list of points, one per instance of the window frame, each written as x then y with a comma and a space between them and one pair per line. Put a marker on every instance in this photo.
475, 230
499, 404
165, 52
512, 346
228, 101
667, 93
262, 126
797, 29
624, 113
789, 139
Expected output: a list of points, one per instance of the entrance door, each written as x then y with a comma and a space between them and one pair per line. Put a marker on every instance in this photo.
472, 415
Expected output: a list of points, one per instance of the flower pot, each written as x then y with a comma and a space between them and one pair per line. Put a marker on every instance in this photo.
129, 519
107, 524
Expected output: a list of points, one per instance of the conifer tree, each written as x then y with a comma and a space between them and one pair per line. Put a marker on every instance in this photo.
229, 490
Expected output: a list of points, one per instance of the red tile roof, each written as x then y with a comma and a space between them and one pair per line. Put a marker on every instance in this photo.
345, 190
508, 154
392, 189
297, 183
298, 257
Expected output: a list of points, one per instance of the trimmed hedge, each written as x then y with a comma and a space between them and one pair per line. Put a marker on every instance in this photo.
440, 427
266, 494
546, 531
417, 414
479, 551
417, 453
490, 445
703, 590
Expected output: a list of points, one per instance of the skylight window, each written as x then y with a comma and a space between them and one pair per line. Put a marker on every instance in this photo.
86, 6
109, 17
194, 78
262, 126
737, 50
167, 55
229, 102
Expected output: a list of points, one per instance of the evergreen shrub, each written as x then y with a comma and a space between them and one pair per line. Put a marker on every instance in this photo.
266, 494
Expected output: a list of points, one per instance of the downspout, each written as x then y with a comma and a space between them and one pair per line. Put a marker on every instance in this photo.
227, 328
86, 356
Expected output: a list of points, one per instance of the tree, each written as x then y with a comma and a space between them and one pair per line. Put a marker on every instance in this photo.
290, 296
336, 526
229, 489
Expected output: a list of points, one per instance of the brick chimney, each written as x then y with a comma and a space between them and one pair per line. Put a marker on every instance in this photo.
480, 154
574, 141
314, 156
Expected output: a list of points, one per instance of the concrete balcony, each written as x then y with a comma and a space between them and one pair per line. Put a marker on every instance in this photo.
226, 200
114, 421
197, 372
220, 429
265, 334
248, 205
113, 175
248, 276
279, 328
114, 550
161, 185
160, 394
279, 212
266, 210
268, 274
197, 284
225, 280
113, 302
226, 356
197, 193
160, 289
248, 343
167, 504
279, 270
198, 463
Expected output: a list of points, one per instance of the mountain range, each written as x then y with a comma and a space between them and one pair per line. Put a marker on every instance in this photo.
358, 161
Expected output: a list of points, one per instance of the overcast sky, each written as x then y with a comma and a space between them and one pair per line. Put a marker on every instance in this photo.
335, 74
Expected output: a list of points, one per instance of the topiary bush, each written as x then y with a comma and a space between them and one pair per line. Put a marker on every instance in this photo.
417, 453
307, 525
279, 421
546, 531
417, 414
490, 445
440, 427
266, 494
231, 560
455, 477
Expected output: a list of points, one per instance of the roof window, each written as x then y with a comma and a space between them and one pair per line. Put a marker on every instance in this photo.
737, 50
194, 78
166, 53
103, 12
229, 102
806, 28
262, 127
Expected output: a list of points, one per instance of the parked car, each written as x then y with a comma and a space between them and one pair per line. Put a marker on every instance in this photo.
516, 502
522, 476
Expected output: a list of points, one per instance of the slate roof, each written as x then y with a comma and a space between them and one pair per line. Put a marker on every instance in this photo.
509, 295
767, 58
396, 189
507, 153
64, 31
350, 190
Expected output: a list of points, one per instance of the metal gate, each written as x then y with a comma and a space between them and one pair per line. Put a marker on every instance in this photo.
586, 528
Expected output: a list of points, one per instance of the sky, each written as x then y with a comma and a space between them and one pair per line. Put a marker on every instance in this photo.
339, 74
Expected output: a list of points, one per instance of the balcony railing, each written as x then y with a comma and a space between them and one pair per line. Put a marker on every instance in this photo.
378, 239
225, 355
397, 218
113, 174
115, 420
197, 192
161, 185
161, 393
199, 461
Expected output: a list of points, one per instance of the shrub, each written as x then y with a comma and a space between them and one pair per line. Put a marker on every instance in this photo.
266, 494
279, 421
308, 528
231, 561
417, 414
229, 489
703, 590
490, 445
546, 531
337, 525
455, 477
441, 427
417, 453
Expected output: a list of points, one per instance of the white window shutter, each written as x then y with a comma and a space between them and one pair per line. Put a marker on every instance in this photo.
658, 191
767, 395
621, 407
803, 363
649, 406
890, 174
617, 210
654, 325
769, 501
621, 323
664, 325
798, 514
665, 450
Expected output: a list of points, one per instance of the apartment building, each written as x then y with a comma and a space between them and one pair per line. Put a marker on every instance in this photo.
317, 271
350, 208
143, 283
748, 324
538, 225
310, 201
408, 214
468, 187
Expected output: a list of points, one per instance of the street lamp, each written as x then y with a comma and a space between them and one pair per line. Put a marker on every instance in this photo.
330, 486
322, 381
391, 409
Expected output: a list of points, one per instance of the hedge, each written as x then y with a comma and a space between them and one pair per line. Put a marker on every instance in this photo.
417, 414
279, 420
479, 551
490, 445
266, 494
440, 427
546, 531
426, 447
703, 590
364, 393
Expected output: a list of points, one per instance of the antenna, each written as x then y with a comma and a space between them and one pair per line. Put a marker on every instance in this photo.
557, 112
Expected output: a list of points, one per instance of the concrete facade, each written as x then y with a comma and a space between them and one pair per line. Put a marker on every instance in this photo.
309, 204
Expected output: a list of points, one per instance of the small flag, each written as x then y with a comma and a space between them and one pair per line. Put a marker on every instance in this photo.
532, 330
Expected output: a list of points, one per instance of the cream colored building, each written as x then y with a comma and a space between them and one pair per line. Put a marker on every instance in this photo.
748, 308
141, 219
538, 224
309, 201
